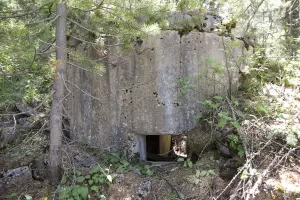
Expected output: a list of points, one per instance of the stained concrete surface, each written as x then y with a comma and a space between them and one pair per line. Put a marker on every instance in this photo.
139, 92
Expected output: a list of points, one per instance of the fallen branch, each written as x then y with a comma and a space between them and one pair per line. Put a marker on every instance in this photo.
254, 190
244, 167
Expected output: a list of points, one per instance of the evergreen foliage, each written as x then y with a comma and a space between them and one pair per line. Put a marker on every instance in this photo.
27, 38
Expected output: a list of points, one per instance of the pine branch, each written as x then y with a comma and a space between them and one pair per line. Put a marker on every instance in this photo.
92, 9
27, 13
87, 29
126, 22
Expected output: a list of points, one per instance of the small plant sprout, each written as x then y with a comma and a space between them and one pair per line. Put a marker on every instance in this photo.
236, 144
186, 163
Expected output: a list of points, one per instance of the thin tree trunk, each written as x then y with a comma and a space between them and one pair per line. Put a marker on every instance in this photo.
58, 95
292, 20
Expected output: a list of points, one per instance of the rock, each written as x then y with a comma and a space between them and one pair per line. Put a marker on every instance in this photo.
178, 20
32, 122
272, 90
25, 109
144, 190
39, 167
233, 163
82, 161
228, 173
210, 23
179, 145
224, 150
198, 139
222, 135
25, 123
228, 167
119, 179
8, 135
136, 171
15, 176
2, 187
222, 142
194, 20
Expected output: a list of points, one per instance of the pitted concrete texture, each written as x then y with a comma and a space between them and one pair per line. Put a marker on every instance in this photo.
193, 20
139, 92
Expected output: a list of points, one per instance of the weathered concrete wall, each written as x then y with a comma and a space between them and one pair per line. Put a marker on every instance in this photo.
139, 93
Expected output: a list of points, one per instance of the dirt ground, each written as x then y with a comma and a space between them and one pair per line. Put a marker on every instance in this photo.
170, 180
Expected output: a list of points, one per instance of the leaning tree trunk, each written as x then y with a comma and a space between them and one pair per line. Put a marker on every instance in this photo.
58, 95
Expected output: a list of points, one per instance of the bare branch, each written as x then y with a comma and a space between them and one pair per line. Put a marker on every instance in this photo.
42, 51
83, 27
48, 52
249, 21
26, 112
84, 92
74, 65
242, 168
81, 40
41, 21
276, 160
89, 42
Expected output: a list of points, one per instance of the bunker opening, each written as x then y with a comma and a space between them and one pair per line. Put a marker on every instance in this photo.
165, 147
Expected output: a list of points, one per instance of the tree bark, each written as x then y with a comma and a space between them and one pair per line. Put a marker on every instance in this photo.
58, 95
292, 20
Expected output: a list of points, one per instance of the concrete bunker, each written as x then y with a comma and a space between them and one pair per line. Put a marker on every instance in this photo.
153, 90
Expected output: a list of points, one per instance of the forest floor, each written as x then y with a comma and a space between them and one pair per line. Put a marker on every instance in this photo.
166, 181
269, 125
149, 180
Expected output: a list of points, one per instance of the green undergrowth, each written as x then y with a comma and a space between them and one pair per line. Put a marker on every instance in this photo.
270, 93
85, 185
89, 185
203, 168
264, 70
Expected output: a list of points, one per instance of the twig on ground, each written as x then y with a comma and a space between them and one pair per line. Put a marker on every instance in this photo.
253, 155
261, 177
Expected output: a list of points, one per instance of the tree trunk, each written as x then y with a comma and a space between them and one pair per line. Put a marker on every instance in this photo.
58, 95
292, 20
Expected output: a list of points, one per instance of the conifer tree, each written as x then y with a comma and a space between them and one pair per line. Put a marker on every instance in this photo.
88, 22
